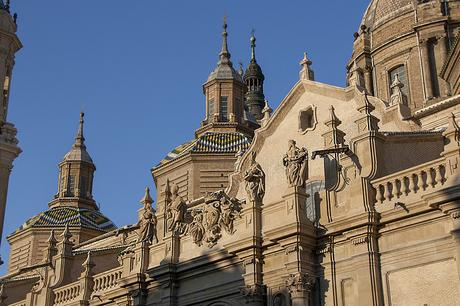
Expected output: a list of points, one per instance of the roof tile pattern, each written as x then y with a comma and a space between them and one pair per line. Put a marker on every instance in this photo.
61, 216
211, 142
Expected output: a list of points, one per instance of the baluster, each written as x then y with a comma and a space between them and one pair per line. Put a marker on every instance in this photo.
429, 178
396, 189
388, 194
421, 181
445, 172
413, 182
381, 193
409, 184
439, 180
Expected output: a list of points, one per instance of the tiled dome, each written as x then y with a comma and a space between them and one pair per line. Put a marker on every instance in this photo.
380, 11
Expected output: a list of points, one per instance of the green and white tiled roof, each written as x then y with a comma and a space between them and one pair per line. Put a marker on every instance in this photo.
213, 143
73, 216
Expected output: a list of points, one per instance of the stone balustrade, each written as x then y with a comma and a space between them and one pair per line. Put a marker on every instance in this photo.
410, 182
107, 280
67, 293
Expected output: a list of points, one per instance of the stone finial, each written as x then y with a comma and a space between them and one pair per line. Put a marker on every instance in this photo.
51, 250
52, 239
397, 96
267, 112
146, 199
66, 234
306, 73
240, 69
355, 77
367, 121
88, 264
334, 137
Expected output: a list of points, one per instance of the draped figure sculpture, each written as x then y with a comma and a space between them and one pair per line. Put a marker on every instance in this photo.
147, 221
255, 181
296, 163
177, 210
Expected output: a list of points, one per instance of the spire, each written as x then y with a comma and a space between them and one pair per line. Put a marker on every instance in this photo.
80, 139
147, 199
224, 54
253, 47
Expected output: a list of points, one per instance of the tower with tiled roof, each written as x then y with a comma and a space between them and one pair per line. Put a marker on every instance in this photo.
203, 164
73, 206
224, 92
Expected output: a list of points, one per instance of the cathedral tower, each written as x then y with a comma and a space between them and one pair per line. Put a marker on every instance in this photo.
224, 91
72, 206
76, 173
9, 150
254, 81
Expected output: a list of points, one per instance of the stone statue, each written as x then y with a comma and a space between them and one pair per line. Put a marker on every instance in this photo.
196, 228
296, 163
397, 96
147, 221
255, 181
177, 210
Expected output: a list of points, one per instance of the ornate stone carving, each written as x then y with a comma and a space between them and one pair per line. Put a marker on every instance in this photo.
176, 212
218, 213
296, 163
147, 221
300, 282
252, 292
255, 181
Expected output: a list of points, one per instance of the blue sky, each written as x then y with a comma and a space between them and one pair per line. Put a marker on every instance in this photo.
136, 68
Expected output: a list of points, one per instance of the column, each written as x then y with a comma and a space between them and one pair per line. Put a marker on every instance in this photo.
426, 69
442, 49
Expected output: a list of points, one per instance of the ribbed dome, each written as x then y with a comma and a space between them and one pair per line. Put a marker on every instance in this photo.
380, 11
254, 70
78, 154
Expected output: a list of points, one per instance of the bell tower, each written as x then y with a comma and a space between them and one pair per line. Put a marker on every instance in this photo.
9, 150
254, 81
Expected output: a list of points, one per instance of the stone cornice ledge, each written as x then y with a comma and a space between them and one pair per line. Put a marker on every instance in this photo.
437, 107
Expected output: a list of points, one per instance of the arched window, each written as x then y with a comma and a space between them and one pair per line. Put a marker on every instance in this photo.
400, 71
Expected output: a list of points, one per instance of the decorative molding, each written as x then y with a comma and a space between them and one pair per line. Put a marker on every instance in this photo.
360, 240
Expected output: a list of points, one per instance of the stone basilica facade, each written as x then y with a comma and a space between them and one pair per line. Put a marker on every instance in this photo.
341, 196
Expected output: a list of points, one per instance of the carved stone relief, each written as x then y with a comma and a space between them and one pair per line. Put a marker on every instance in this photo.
296, 163
299, 282
218, 213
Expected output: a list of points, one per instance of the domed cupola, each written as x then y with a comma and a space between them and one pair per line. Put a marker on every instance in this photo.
254, 81
381, 11
406, 40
